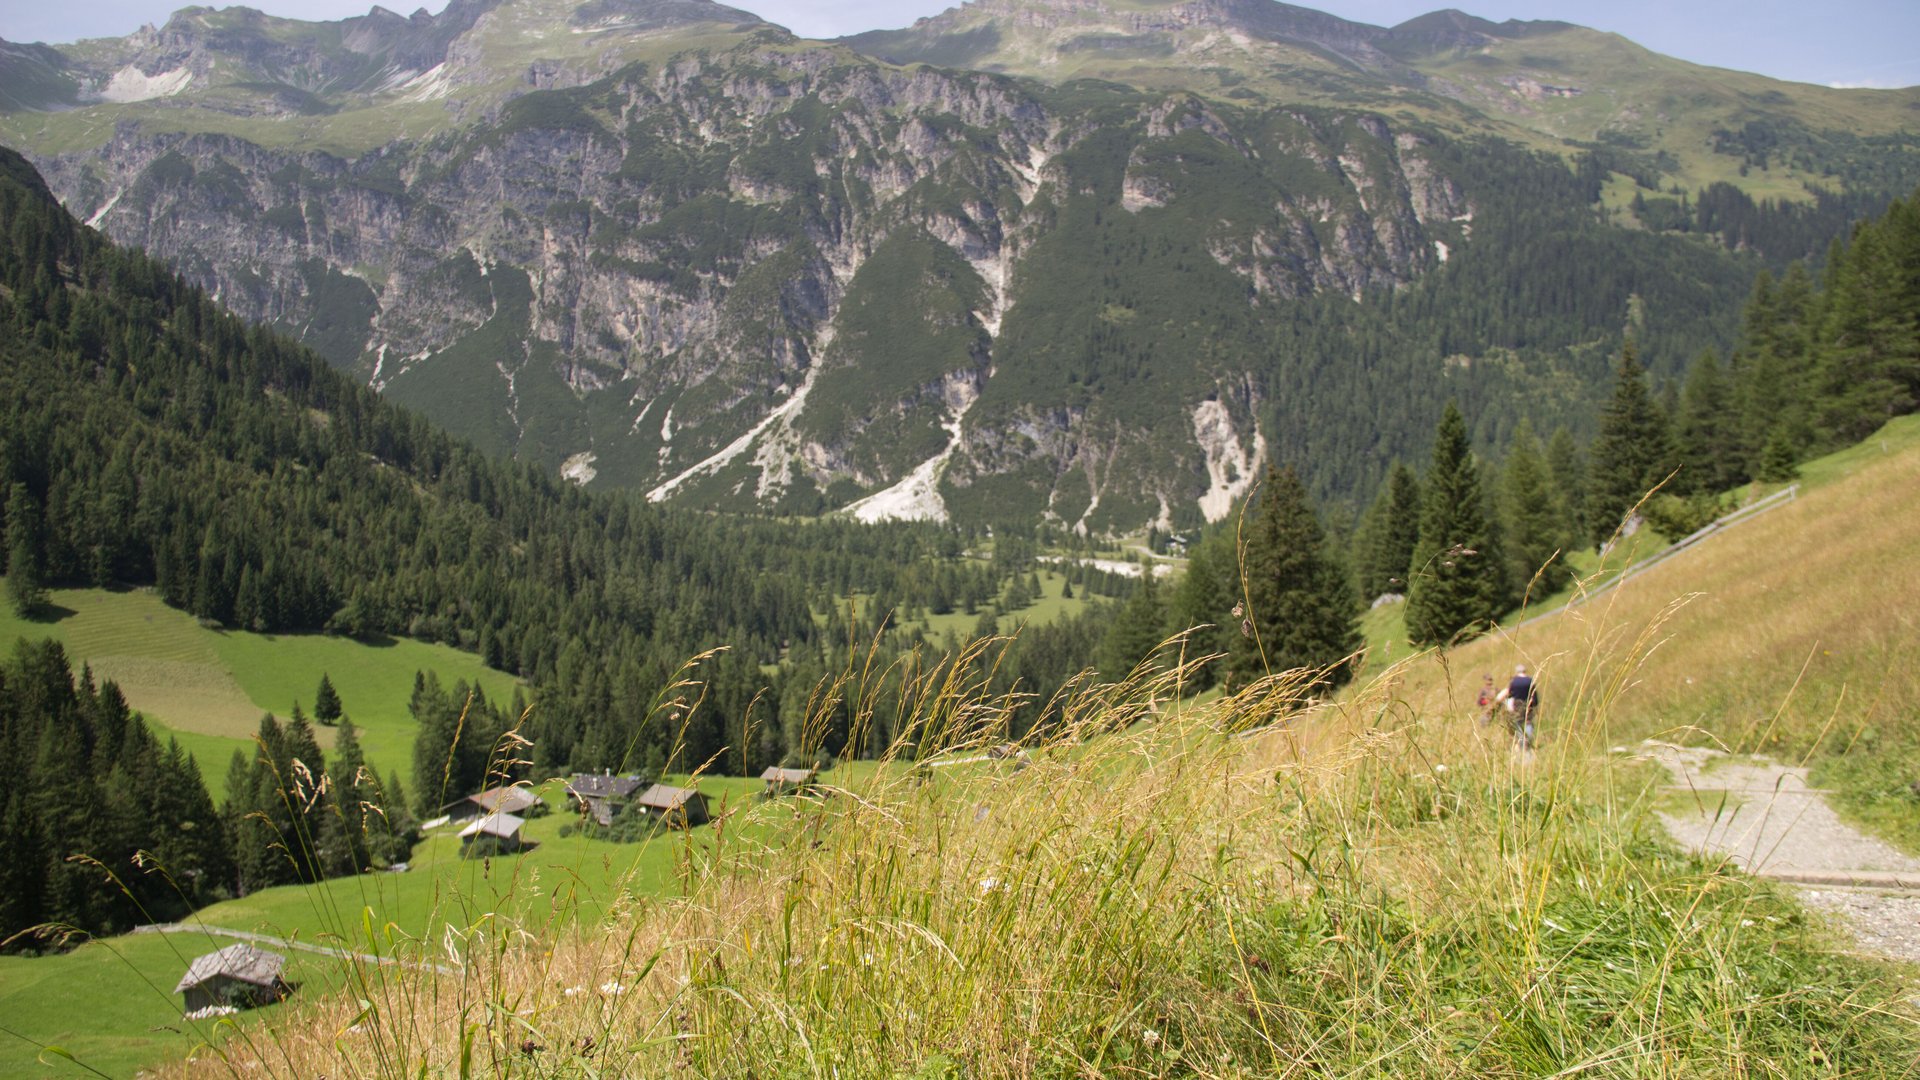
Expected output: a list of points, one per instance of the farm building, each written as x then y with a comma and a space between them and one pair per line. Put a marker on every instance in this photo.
495, 800
603, 794
500, 826
679, 806
238, 976
787, 781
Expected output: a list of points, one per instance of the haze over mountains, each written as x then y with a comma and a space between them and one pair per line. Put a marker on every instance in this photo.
1085, 260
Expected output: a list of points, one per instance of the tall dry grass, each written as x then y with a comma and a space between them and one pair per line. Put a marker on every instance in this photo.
1367, 886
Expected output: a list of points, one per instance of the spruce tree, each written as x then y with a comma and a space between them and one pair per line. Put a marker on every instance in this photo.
326, 702
1568, 468
1203, 604
1395, 534
1137, 628
1299, 599
26, 589
1707, 430
1535, 539
1456, 582
1633, 451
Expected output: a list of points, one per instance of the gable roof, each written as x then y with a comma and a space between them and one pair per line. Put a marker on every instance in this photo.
663, 797
511, 799
600, 786
246, 963
494, 824
777, 775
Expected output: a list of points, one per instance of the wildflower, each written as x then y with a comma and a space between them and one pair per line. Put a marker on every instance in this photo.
1150, 1037
1440, 768
612, 988
1246, 627
988, 884
573, 990
1239, 610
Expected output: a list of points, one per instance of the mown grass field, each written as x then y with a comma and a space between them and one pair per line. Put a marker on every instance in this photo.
209, 688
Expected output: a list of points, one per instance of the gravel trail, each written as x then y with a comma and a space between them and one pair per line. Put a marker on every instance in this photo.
1767, 819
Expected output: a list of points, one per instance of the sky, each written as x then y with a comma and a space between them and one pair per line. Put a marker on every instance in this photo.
1830, 42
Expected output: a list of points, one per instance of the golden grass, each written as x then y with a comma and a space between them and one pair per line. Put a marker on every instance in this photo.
1224, 890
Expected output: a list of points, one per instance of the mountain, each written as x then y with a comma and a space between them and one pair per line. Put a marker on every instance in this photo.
1093, 268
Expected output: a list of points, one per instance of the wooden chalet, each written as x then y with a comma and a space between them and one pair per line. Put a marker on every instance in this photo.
683, 807
788, 781
494, 800
240, 976
500, 826
603, 794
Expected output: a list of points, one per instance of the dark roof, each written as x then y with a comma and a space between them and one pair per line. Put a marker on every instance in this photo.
495, 824
776, 775
598, 786
511, 799
663, 797
243, 962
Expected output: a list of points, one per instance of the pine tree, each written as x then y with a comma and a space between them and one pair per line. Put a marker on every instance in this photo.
1633, 452
26, 589
1535, 539
1457, 582
1707, 431
326, 702
1203, 603
1137, 628
1395, 533
1569, 472
1299, 598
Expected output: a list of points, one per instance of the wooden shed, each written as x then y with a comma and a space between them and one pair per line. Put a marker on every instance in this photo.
494, 800
603, 794
787, 781
679, 806
239, 976
500, 826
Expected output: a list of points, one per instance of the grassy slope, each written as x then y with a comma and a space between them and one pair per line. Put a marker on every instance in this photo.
1793, 635
209, 687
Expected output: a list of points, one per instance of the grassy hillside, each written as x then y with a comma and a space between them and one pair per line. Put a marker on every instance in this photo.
1364, 889
209, 688
1792, 636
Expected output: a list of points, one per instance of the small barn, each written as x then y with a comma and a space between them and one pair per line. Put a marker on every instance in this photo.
495, 800
238, 976
787, 781
603, 794
679, 806
500, 826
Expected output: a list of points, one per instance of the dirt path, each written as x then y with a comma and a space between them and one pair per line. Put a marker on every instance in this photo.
1765, 818
286, 943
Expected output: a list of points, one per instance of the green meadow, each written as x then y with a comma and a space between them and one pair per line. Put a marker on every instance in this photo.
209, 688
115, 1010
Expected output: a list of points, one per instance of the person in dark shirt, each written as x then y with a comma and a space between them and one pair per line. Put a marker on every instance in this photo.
1522, 699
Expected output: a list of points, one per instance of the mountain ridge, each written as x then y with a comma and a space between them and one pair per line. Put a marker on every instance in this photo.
628, 241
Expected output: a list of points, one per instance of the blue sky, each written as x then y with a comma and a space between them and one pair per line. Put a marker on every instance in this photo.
1837, 42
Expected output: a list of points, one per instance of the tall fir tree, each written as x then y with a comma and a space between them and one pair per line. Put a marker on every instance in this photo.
326, 702
1299, 598
1633, 452
1568, 468
26, 588
1707, 431
1396, 532
1534, 536
1137, 629
1204, 599
1457, 581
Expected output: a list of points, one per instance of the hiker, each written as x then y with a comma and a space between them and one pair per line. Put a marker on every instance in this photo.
1487, 705
1522, 699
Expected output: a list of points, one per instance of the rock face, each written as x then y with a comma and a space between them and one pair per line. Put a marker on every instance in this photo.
660, 244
